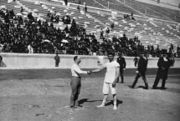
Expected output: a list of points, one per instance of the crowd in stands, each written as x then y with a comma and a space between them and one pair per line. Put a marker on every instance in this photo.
23, 35
129, 17
55, 18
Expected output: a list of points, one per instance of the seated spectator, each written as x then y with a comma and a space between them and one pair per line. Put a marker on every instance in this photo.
78, 8
30, 16
30, 49
132, 16
129, 17
101, 34
85, 7
66, 19
112, 25
22, 9
126, 16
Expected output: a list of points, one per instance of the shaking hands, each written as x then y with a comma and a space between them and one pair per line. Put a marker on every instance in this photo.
89, 72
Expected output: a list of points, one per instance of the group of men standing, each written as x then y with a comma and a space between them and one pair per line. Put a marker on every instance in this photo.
115, 73
164, 63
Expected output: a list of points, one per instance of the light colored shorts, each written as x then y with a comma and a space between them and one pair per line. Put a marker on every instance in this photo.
108, 87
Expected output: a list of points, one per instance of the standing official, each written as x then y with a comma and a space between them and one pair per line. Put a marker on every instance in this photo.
57, 60
163, 64
76, 82
122, 63
141, 70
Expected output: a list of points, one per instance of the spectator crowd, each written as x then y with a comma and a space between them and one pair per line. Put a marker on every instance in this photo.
31, 35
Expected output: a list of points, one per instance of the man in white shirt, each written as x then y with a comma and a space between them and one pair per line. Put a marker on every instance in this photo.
110, 80
76, 82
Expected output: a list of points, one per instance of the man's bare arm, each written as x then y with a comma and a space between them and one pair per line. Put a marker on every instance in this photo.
98, 69
117, 75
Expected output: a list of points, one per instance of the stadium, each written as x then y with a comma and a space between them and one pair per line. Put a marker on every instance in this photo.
35, 34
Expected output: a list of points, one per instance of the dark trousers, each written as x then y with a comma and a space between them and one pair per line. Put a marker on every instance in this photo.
57, 64
143, 77
121, 74
75, 86
157, 81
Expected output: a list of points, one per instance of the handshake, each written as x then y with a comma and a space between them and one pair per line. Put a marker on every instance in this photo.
89, 72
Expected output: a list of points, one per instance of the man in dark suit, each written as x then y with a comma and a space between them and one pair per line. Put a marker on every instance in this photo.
122, 63
141, 70
163, 64
57, 60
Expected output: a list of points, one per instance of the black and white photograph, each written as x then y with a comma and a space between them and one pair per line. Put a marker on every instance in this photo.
89, 60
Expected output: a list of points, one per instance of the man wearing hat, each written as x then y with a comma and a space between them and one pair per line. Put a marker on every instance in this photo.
141, 70
122, 63
163, 64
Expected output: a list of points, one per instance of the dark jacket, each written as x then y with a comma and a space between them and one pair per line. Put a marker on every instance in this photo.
57, 58
122, 62
142, 65
163, 67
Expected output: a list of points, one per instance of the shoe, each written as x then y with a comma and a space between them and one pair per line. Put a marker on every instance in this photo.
146, 88
79, 106
100, 106
73, 107
131, 87
163, 88
115, 108
154, 87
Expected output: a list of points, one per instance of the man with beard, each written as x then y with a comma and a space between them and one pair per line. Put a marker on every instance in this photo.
163, 64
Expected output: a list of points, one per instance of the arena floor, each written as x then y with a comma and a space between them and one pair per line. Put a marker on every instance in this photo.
48, 99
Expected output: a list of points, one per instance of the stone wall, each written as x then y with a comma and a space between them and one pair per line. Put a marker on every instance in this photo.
25, 61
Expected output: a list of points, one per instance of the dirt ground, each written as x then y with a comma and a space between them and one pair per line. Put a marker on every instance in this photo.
48, 100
